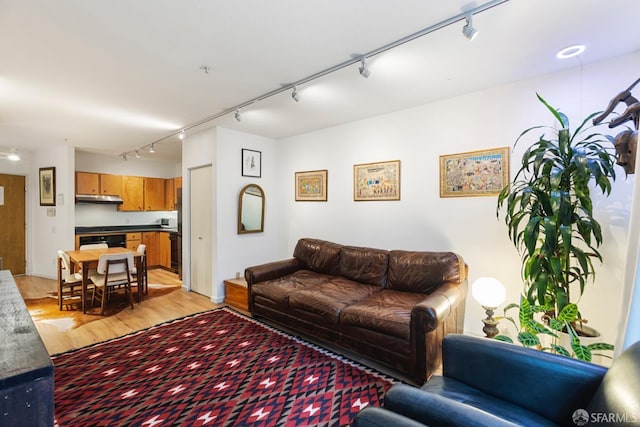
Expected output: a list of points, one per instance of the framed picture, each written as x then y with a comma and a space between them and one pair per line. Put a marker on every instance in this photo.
476, 173
48, 186
251, 163
376, 181
311, 186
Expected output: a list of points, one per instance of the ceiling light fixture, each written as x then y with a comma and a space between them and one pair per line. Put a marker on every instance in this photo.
295, 95
570, 51
181, 135
124, 156
13, 155
137, 154
468, 30
364, 71
152, 149
348, 63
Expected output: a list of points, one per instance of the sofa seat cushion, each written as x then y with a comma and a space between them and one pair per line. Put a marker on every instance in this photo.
275, 293
387, 312
329, 299
460, 392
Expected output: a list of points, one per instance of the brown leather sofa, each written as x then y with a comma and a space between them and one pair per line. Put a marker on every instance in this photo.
393, 307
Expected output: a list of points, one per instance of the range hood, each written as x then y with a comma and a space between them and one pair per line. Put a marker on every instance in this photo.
98, 198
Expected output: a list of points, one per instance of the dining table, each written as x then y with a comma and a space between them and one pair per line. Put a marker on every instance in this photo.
88, 258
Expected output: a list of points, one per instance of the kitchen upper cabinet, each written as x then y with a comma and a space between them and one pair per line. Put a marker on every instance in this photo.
87, 183
132, 193
110, 184
170, 194
154, 194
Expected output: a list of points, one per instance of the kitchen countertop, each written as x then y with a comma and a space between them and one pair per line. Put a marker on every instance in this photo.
101, 230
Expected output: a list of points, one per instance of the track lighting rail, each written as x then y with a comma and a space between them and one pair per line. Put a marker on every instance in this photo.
463, 16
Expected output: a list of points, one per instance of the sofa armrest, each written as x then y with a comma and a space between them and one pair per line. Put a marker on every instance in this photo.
521, 375
372, 416
435, 410
439, 304
270, 271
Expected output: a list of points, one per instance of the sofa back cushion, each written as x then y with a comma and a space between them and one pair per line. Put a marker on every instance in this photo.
424, 272
318, 255
365, 265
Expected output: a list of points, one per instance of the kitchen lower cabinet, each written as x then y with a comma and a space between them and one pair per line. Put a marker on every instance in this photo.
151, 240
134, 240
165, 250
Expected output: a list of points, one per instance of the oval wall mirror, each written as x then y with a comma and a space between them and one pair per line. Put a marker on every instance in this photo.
251, 210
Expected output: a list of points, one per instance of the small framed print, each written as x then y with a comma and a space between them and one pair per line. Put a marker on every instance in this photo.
311, 186
48, 186
376, 181
251, 163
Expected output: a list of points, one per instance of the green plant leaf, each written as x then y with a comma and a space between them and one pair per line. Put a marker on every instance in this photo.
581, 352
503, 338
528, 339
558, 349
569, 313
564, 121
600, 346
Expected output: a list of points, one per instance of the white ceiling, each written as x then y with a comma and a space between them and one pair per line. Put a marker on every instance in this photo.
109, 76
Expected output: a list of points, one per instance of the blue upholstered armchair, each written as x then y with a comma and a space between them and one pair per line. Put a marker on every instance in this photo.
491, 383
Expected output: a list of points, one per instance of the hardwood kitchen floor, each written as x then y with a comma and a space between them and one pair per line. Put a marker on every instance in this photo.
160, 309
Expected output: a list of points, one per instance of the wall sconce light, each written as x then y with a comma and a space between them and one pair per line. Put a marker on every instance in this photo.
489, 293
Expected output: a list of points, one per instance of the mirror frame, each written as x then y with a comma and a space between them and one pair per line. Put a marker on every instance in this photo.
242, 192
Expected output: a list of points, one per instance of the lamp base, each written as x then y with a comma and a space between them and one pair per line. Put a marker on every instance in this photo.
490, 328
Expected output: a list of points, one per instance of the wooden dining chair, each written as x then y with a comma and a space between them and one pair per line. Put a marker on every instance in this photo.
143, 286
113, 275
90, 246
69, 283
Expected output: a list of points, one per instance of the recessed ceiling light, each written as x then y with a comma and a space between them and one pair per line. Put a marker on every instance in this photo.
571, 51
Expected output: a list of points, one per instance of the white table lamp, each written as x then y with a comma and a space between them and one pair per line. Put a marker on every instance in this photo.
489, 293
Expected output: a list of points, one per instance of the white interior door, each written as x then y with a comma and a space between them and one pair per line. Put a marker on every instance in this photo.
201, 230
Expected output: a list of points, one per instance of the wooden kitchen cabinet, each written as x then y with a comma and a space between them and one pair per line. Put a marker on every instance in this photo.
132, 193
151, 240
87, 183
164, 239
154, 194
110, 184
170, 194
133, 240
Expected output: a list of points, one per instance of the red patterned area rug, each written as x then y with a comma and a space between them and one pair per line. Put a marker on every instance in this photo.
215, 368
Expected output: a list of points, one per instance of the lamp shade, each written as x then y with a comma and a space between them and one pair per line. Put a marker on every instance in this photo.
489, 292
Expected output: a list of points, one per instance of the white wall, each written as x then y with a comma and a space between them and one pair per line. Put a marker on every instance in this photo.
422, 220
232, 252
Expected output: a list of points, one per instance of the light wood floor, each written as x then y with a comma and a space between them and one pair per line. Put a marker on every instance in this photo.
147, 313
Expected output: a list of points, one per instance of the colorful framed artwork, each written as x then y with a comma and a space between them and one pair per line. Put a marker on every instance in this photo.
311, 186
251, 163
475, 173
376, 181
48, 186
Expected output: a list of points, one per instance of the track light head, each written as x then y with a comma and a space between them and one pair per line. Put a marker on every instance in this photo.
152, 149
237, 116
181, 135
124, 156
295, 95
468, 30
364, 71
137, 154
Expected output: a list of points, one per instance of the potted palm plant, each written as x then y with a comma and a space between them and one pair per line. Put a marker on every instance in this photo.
549, 214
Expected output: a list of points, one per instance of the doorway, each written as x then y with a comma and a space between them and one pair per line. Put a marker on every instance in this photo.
12, 215
201, 187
